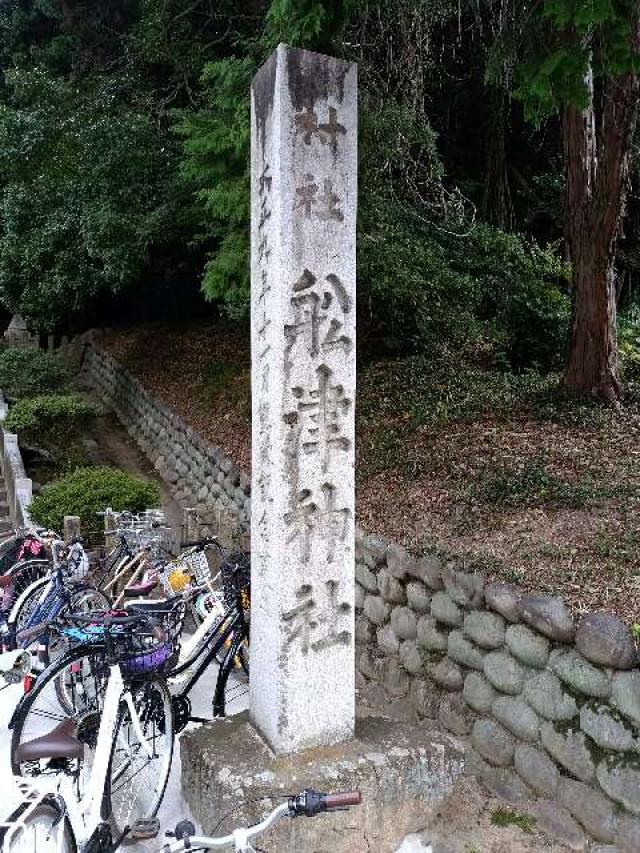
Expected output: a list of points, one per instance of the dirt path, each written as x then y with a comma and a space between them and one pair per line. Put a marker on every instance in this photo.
110, 444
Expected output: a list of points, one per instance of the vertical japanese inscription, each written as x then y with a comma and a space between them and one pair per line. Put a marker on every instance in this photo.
303, 389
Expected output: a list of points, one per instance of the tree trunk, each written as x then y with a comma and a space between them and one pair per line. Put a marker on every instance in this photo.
496, 203
597, 152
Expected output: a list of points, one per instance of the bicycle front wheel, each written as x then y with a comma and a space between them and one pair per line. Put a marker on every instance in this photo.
141, 756
42, 832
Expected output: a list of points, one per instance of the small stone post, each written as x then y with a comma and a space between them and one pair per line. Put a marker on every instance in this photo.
109, 528
303, 277
70, 528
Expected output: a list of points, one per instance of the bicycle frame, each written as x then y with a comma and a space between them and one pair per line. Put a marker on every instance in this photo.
85, 815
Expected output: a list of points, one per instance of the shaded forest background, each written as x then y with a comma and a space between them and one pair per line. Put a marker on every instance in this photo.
124, 133
124, 137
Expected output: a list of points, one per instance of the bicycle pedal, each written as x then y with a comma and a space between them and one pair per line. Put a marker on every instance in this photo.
145, 828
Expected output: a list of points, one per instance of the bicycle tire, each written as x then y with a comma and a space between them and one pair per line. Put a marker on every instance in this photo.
46, 815
42, 703
148, 696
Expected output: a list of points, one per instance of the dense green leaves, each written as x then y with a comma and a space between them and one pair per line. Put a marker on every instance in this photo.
29, 372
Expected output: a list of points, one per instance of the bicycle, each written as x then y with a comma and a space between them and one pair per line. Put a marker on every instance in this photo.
113, 768
308, 803
70, 691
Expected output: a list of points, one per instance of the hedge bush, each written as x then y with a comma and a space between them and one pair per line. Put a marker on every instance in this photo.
50, 420
87, 491
28, 372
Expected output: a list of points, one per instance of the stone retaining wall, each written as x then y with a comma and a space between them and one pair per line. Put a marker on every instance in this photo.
551, 709
199, 474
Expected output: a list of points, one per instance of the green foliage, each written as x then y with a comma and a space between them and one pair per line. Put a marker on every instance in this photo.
629, 343
312, 24
564, 41
87, 491
83, 195
510, 817
50, 421
28, 372
531, 484
215, 166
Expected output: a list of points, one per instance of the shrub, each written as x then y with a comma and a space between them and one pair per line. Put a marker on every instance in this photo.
50, 421
87, 491
28, 372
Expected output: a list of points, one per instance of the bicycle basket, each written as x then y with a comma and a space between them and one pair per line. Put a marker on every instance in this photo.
142, 655
236, 578
198, 563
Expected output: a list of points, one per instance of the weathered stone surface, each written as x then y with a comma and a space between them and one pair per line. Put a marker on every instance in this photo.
537, 769
589, 807
518, 717
504, 598
628, 834
364, 630
428, 635
462, 651
571, 749
404, 623
387, 641
493, 742
399, 561
606, 726
375, 609
501, 781
478, 693
445, 610
625, 694
396, 681
464, 588
403, 771
574, 670
370, 664
504, 672
429, 570
425, 697
619, 777
358, 597
605, 640
546, 695
390, 588
549, 616
366, 578
410, 657
454, 715
558, 822
484, 629
373, 695
528, 647
376, 547
447, 675
418, 597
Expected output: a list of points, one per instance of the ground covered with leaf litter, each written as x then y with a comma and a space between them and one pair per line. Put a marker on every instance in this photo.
500, 470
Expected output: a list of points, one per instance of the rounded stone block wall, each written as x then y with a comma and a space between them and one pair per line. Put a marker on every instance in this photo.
199, 474
550, 709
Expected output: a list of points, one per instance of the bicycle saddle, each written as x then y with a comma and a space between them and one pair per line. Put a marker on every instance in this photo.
58, 743
143, 588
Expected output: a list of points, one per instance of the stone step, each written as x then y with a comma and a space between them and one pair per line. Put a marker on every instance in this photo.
5, 525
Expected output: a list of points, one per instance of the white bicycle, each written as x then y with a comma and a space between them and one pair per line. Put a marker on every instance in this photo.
121, 753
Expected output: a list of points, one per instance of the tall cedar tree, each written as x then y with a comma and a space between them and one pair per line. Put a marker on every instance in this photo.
589, 70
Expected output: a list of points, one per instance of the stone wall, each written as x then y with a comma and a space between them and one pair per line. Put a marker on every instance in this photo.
550, 709
198, 474
19, 487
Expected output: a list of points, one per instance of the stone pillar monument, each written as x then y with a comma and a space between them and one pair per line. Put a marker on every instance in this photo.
303, 278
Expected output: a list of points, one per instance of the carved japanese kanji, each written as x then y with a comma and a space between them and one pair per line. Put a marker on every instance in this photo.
309, 519
317, 420
323, 206
327, 132
319, 620
316, 320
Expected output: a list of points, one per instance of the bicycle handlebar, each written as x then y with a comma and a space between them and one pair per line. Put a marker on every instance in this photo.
308, 803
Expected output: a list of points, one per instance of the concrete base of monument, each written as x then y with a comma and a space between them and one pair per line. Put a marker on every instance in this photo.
404, 772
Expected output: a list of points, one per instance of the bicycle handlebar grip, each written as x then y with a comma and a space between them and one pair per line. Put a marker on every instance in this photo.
342, 800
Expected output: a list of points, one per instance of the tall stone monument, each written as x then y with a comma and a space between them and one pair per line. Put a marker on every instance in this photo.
303, 278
